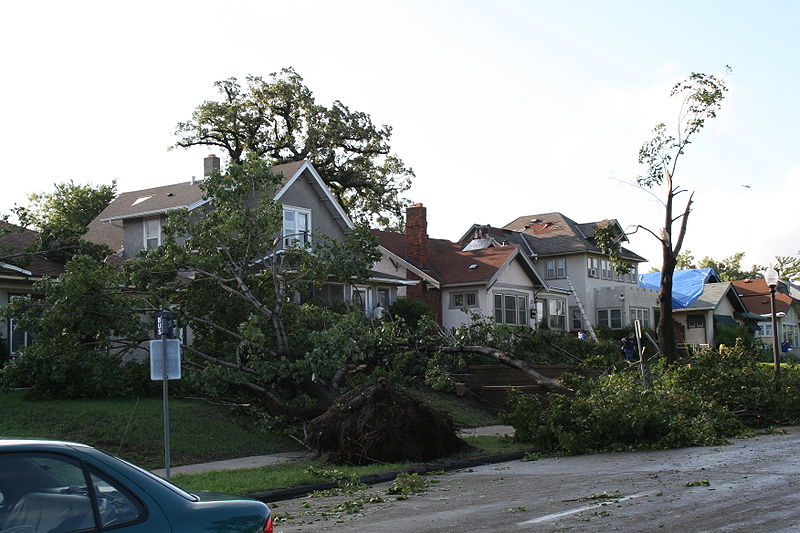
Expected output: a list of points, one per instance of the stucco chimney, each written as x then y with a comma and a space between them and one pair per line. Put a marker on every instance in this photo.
417, 234
210, 165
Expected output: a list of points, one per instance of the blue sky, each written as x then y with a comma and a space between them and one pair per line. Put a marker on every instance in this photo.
503, 109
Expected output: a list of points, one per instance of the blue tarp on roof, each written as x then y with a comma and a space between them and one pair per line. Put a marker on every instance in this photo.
687, 285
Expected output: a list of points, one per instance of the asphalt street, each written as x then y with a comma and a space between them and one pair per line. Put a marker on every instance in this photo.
750, 485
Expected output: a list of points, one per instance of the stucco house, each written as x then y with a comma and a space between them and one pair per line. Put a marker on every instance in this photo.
18, 279
456, 279
133, 221
756, 297
566, 257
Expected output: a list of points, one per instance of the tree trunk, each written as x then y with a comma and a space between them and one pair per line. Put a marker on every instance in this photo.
552, 385
666, 327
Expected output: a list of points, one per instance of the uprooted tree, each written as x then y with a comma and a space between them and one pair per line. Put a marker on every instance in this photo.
702, 96
278, 118
234, 281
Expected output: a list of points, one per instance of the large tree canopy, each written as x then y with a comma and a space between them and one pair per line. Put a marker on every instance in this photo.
278, 118
235, 287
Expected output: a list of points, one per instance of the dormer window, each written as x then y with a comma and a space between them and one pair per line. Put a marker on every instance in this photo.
152, 233
296, 227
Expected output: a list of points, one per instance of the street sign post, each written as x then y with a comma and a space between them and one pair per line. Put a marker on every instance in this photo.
165, 364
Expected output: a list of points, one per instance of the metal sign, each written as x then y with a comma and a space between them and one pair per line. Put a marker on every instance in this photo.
165, 324
158, 349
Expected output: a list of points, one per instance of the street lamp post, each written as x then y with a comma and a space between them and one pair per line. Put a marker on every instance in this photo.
771, 277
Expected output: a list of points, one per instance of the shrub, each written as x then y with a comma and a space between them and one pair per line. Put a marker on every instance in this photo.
411, 311
76, 373
613, 413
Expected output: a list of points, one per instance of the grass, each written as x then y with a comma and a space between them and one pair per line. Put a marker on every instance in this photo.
200, 432
465, 414
296, 473
133, 429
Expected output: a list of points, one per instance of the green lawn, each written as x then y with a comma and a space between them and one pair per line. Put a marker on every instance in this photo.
297, 473
200, 432
132, 429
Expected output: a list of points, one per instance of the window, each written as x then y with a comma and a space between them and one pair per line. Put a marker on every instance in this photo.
18, 338
593, 267
332, 293
695, 321
642, 315
511, 309
556, 268
463, 299
605, 269
296, 227
610, 318
764, 330
152, 233
556, 314
576, 319
117, 505
633, 275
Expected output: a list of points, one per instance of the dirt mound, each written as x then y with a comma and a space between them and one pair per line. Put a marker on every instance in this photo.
379, 423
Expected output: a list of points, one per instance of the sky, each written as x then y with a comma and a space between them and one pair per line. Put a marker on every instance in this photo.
502, 109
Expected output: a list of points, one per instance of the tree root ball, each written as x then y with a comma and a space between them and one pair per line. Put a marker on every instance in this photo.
380, 423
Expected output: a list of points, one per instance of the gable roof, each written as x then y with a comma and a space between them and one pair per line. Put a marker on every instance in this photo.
755, 295
448, 264
186, 195
712, 296
553, 234
18, 240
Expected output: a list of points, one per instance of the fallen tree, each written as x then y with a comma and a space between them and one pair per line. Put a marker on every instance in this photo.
552, 385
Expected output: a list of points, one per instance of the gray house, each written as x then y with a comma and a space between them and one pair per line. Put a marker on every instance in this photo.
133, 221
566, 256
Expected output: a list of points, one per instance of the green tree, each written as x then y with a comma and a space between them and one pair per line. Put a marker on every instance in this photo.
82, 325
278, 118
788, 266
730, 268
61, 218
685, 260
235, 286
701, 98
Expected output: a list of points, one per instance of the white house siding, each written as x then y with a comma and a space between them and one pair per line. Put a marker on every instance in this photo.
598, 293
512, 279
453, 318
625, 296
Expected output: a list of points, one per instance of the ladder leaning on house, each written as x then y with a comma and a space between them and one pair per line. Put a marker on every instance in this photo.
582, 310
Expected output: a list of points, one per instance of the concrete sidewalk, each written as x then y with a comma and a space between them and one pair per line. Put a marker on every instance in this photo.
275, 458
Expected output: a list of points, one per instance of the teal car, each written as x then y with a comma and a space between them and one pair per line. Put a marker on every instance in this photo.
63, 487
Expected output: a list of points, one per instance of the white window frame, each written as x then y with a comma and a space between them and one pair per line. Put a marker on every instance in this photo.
557, 313
593, 267
291, 237
464, 297
605, 269
690, 322
556, 268
642, 314
147, 236
609, 321
764, 329
520, 308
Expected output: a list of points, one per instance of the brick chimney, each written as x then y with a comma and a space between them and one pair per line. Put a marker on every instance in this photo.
210, 165
417, 234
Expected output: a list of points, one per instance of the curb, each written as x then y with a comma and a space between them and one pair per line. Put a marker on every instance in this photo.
373, 479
